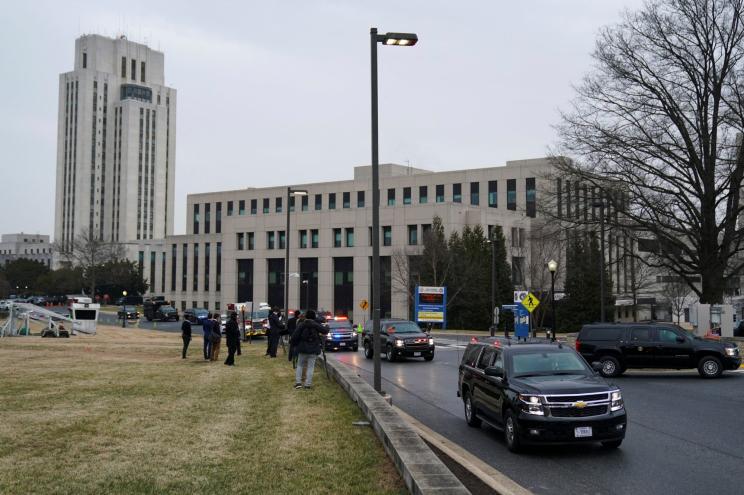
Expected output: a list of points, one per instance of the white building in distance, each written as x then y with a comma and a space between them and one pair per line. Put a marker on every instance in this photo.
29, 246
115, 144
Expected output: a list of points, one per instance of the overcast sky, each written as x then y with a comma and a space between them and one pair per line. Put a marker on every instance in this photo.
274, 93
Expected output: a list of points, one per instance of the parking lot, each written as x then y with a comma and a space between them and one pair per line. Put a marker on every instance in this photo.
684, 435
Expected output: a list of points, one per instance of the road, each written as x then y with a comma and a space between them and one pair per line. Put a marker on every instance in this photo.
685, 434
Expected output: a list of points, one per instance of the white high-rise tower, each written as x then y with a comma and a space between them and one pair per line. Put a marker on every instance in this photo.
115, 144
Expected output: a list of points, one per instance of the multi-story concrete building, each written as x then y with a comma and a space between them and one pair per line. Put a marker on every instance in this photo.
234, 246
116, 144
29, 246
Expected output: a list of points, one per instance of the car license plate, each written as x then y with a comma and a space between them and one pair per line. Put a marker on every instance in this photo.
583, 431
416, 354
342, 344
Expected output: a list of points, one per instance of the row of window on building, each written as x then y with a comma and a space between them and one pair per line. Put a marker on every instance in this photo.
346, 203
28, 251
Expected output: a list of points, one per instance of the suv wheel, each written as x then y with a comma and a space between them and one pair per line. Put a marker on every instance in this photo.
367, 350
610, 366
710, 367
429, 357
511, 433
389, 354
470, 413
612, 444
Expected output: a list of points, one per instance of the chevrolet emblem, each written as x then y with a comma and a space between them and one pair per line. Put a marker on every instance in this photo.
580, 405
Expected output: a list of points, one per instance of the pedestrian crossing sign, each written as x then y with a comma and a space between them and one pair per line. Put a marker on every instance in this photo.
530, 302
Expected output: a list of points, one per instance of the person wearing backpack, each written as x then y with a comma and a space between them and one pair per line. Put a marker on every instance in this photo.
215, 337
307, 341
275, 329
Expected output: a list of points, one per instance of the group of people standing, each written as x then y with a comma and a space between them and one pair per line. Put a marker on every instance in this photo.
305, 340
212, 330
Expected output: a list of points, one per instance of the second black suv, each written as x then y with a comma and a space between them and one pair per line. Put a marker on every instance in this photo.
398, 339
619, 346
539, 392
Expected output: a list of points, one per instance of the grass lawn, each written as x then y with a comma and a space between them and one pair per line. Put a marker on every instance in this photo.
120, 412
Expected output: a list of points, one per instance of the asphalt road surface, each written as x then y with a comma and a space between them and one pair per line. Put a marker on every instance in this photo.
685, 434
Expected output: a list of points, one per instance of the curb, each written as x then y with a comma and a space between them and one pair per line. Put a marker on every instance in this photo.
422, 471
497, 481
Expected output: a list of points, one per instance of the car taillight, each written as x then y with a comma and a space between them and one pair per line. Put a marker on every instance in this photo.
578, 345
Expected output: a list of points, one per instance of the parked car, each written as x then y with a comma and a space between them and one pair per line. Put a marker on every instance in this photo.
4, 306
620, 346
399, 339
341, 335
739, 329
196, 315
538, 392
130, 311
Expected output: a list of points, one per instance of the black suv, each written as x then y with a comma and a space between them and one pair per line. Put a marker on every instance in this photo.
539, 392
399, 338
619, 346
341, 335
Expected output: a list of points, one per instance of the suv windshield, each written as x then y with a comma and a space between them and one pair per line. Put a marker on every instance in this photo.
401, 327
264, 313
167, 308
547, 363
130, 309
339, 324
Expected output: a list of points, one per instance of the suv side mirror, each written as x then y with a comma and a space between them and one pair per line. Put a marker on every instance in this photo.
681, 339
495, 371
597, 366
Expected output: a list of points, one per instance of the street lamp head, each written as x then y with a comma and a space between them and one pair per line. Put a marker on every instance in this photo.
298, 192
399, 39
124, 293
552, 266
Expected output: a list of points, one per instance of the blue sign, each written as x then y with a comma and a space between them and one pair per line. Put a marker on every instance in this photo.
521, 319
430, 305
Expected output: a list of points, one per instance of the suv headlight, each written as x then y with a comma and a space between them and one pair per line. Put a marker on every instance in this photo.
616, 401
531, 404
731, 351
399, 343
431, 341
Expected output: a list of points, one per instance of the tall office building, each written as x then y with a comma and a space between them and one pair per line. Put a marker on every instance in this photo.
115, 144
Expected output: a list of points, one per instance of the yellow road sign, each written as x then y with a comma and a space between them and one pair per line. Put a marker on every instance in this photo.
530, 302
364, 304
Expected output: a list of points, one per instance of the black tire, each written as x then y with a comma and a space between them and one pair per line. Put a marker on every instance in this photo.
710, 367
355, 348
470, 412
511, 433
368, 352
390, 354
612, 444
429, 357
610, 366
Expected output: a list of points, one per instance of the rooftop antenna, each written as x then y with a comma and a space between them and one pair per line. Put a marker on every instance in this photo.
409, 166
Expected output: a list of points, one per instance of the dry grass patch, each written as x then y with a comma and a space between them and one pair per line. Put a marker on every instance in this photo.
120, 412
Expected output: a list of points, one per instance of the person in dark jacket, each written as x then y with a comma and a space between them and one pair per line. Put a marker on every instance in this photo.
307, 340
207, 330
186, 336
291, 327
275, 330
232, 338
215, 337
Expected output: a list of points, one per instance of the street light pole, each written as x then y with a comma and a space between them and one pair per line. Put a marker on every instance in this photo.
290, 192
124, 310
601, 206
400, 39
552, 267
306, 283
493, 286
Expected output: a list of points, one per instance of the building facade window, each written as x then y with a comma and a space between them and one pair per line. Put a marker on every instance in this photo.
360, 199
517, 270
195, 281
314, 238
511, 194
346, 200
278, 208
266, 207
305, 200
207, 219
218, 218
270, 240
391, 197
423, 194
291, 204
493, 194
196, 219
282, 240
206, 267
174, 258
343, 286
387, 236
425, 230
245, 280
218, 274
475, 193
440, 193
336, 238
254, 206
412, 235
276, 281
318, 202
331, 201
184, 266
241, 207
241, 241
531, 205
406, 195
303, 239
251, 241
349, 237
457, 193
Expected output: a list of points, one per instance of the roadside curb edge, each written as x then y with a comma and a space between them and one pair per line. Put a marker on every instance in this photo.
502, 484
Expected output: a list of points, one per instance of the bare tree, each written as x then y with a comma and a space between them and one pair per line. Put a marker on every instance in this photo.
404, 276
677, 294
88, 251
655, 133
642, 277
